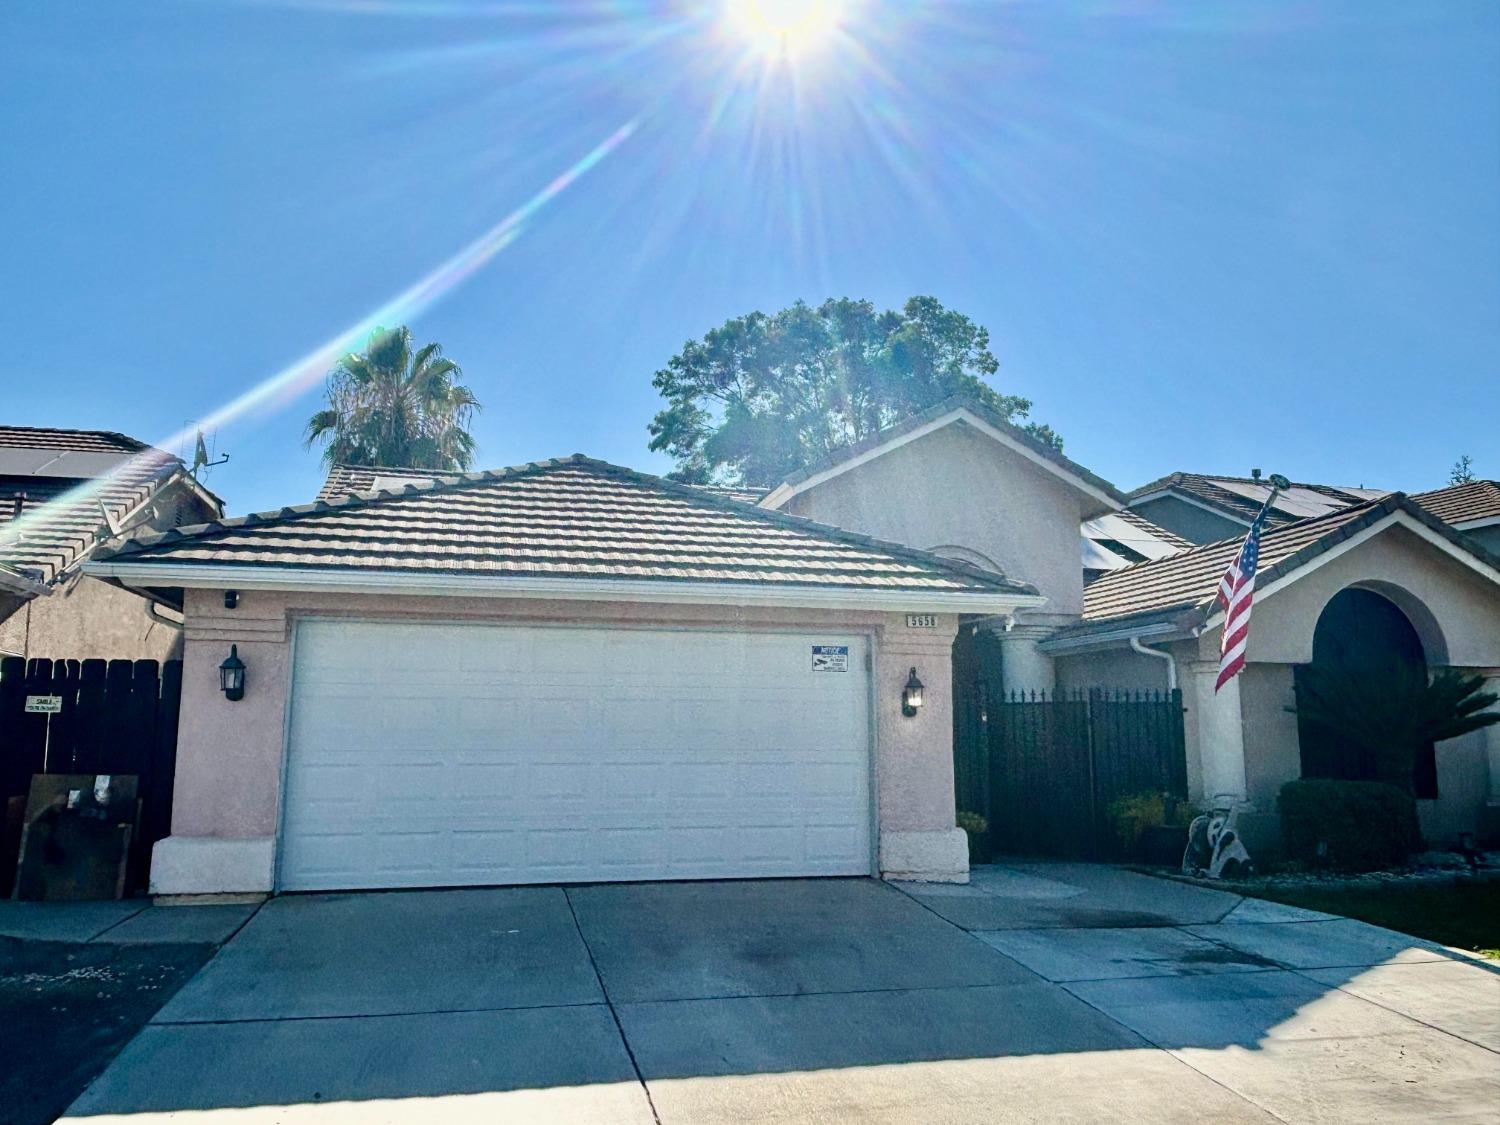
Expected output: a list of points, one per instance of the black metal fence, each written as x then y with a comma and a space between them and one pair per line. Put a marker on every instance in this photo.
1045, 771
117, 716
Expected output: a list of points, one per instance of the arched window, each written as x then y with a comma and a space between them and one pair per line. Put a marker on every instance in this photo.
1364, 634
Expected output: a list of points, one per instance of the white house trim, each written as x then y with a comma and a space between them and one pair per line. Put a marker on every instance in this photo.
783, 492
209, 576
1482, 521
1109, 639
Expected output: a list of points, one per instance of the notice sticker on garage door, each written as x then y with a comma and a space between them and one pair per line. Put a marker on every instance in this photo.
830, 658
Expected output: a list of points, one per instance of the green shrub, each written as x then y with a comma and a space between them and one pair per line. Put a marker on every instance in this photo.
1132, 814
1349, 825
972, 823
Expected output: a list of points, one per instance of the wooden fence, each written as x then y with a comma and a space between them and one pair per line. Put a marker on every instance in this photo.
118, 716
1044, 771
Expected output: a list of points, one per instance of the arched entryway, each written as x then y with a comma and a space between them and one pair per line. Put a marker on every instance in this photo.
1367, 635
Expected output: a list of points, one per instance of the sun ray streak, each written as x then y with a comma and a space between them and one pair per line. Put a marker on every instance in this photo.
297, 376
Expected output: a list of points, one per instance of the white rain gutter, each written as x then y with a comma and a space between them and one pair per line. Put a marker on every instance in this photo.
213, 577
1147, 650
1106, 639
155, 614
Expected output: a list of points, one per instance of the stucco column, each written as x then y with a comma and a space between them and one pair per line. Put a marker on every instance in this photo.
1024, 667
1219, 735
914, 755
226, 790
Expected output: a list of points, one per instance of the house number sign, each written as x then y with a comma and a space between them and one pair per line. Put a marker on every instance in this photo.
921, 621
44, 704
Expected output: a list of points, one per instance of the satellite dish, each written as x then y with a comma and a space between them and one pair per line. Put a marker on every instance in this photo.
1280, 482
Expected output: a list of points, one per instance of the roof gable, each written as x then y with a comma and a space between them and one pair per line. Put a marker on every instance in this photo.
48, 525
1241, 498
951, 411
567, 519
1186, 583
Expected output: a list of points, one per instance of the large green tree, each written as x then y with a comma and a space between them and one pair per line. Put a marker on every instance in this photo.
762, 396
393, 404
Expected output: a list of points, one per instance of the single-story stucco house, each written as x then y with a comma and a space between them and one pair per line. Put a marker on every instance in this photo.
62, 494
565, 671
570, 671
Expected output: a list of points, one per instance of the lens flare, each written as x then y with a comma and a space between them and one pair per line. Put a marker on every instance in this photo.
296, 377
784, 28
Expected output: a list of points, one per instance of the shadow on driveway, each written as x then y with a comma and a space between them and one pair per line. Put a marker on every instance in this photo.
806, 1000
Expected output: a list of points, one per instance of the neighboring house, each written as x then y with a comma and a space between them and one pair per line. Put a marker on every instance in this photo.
1384, 576
62, 493
1204, 509
1116, 540
1472, 508
563, 671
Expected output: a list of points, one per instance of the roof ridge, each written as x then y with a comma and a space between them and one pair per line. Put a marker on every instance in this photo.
141, 445
349, 501
1218, 544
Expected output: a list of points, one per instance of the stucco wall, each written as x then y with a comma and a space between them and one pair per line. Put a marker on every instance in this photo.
1198, 525
1113, 669
957, 487
88, 618
229, 755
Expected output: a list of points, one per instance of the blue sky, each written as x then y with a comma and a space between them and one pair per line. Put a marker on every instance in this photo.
1202, 236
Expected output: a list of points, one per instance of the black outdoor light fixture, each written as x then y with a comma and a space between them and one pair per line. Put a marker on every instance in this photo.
911, 695
231, 598
232, 675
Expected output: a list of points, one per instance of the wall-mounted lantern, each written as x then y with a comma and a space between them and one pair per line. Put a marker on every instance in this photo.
231, 598
911, 695
232, 675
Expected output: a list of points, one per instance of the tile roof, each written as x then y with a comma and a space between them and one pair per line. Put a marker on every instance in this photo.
1460, 503
48, 524
1178, 584
350, 480
573, 517
1217, 492
77, 441
948, 406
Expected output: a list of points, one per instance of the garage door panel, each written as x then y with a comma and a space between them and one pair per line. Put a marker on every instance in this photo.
424, 754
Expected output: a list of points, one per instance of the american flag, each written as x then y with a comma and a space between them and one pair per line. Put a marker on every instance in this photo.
1237, 596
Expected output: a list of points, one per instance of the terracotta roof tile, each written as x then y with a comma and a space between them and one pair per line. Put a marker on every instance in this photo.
77, 441
1460, 503
567, 517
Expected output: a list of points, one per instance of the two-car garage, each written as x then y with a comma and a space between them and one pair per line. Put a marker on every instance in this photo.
437, 754
561, 672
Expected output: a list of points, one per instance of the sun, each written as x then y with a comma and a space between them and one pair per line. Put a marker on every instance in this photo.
784, 28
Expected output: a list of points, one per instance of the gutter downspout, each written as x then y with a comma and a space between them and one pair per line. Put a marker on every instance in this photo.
155, 615
1147, 650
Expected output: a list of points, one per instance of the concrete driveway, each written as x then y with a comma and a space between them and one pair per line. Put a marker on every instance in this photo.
1038, 993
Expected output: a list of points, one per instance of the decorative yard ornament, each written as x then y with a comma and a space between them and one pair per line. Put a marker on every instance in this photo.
1214, 847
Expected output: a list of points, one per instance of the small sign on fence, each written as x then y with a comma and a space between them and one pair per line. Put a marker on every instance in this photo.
44, 704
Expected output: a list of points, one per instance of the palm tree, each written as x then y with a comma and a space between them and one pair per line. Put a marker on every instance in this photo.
1389, 715
392, 405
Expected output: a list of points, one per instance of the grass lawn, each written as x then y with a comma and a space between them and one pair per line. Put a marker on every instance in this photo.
1463, 914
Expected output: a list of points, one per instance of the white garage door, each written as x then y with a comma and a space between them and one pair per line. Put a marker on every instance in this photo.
446, 754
